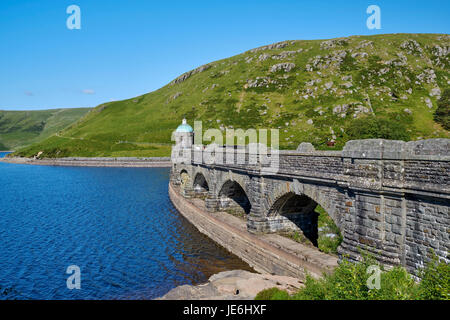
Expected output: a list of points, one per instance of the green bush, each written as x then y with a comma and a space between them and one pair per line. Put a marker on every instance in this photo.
329, 245
348, 63
272, 294
435, 284
349, 282
442, 113
396, 284
314, 290
394, 128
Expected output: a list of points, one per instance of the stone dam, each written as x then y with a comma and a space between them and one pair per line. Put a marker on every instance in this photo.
388, 198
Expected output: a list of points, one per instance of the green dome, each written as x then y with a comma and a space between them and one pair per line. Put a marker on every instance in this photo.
184, 127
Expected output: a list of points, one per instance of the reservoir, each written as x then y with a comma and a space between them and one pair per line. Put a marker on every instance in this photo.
116, 224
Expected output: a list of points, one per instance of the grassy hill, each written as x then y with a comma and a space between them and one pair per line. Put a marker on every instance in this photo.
384, 86
22, 128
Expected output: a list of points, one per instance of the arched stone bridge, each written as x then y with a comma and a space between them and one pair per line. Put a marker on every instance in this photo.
390, 198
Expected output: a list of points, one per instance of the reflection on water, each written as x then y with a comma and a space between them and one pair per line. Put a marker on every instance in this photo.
117, 224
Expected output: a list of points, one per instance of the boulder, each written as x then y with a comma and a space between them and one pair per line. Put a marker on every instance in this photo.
435, 92
305, 147
233, 285
286, 66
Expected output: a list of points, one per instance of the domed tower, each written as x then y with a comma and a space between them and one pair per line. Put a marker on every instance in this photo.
181, 151
184, 136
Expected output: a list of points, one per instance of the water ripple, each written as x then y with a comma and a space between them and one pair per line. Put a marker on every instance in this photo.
117, 224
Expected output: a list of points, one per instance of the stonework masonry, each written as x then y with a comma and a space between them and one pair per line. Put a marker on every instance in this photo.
390, 198
267, 256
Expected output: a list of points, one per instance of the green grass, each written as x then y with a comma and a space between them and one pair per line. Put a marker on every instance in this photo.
296, 236
22, 128
237, 213
349, 282
220, 95
57, 147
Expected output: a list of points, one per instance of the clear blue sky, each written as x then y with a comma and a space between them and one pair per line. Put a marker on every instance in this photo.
127, 48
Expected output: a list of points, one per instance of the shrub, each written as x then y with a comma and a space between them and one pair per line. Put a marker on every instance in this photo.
329, 245
349, 282
442, 113
348, 63
272, 294
396, 284
435, 284
313, 290
378, 128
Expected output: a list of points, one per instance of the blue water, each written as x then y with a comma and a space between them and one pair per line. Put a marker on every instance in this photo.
117, 224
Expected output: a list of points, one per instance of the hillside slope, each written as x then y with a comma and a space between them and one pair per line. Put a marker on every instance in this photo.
22, 128
318, 91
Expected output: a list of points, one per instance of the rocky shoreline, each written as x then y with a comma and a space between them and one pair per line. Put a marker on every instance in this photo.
123, 162
233, 285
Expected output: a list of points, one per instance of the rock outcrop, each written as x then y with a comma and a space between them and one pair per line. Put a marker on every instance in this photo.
233, 285
186, 75
282, 66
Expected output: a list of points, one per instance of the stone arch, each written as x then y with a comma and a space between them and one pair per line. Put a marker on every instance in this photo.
295, 212
323, 197
224, 177
232, 196
200, 184
185, 178
291, 208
